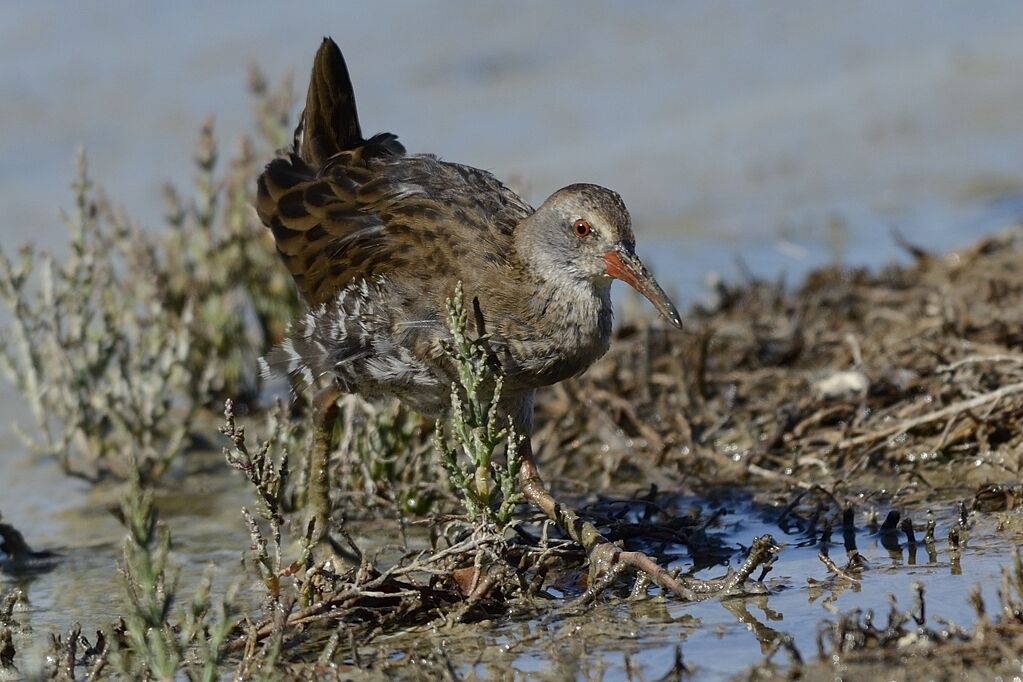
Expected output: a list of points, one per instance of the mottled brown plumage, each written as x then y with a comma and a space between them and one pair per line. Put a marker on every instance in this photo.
376, 241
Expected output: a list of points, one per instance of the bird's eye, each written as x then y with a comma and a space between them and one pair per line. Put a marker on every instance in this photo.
581, 228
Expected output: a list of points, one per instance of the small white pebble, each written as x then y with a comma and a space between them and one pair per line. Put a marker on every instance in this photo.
844, 384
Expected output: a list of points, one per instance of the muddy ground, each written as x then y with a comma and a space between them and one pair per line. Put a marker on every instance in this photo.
791, 456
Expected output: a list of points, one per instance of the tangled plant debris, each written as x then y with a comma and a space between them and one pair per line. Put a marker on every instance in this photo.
470, 568
857, 644
662, 414
673, 413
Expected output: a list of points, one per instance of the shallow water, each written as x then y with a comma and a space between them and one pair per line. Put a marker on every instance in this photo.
718, 637
787, 135
72, 519
721, 638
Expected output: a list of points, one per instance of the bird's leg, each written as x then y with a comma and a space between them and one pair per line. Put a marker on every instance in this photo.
318, 493
608, 560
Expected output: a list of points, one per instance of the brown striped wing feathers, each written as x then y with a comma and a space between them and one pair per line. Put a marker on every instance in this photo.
372, 211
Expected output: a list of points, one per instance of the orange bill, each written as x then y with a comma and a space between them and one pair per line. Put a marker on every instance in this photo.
626, 266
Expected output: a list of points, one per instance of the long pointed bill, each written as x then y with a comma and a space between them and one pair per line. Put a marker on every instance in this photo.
630, 269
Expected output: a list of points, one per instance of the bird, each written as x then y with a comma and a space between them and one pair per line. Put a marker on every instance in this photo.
377, 239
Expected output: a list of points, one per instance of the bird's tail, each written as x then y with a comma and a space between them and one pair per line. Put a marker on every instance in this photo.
330, 122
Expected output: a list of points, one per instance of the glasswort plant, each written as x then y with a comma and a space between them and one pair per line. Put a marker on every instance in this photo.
488, 489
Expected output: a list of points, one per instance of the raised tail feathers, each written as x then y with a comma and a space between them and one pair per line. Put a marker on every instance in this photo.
330, 123
309, 195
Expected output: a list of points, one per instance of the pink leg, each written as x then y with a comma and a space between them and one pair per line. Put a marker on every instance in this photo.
605, 557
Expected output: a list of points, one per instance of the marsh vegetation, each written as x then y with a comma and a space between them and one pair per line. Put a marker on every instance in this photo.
866, 418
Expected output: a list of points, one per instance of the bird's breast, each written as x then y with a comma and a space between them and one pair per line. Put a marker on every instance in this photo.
558, 338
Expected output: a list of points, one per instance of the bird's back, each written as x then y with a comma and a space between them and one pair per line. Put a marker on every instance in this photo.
376, 241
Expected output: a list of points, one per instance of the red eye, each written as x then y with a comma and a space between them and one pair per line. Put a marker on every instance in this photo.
581, 228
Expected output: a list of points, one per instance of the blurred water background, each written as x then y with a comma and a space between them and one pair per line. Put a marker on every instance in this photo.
806, 127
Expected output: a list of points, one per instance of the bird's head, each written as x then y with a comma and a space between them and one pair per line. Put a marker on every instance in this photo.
584, 233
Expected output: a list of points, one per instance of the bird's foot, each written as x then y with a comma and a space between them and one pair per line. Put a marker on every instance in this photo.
325, 553
327, 556
608, 561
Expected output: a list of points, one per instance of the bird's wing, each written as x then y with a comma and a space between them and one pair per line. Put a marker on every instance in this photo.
342, 207
372, 210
